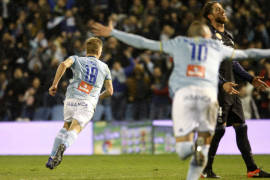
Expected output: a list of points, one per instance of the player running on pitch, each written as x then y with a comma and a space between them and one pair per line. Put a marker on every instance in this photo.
193, 84
83, 93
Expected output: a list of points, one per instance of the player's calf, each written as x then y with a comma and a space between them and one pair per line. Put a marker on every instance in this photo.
184, 149
199, 157
184, 146
201, 148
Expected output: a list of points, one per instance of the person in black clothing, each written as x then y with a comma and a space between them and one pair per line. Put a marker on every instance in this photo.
230, 104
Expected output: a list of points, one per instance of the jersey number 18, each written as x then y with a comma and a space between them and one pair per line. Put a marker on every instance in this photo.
91, 76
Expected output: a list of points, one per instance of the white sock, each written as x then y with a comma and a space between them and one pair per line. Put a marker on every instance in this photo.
184, 149
58, 140
194, 171
70, 138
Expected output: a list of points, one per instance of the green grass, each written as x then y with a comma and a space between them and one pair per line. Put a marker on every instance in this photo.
130, 167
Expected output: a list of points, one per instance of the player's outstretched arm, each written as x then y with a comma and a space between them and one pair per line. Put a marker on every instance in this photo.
128, 38
108, 90
231, 53
252, 53
58, 75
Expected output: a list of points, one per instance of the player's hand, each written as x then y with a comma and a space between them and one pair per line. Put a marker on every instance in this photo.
259, 84
228, 88
52, 90
101, 30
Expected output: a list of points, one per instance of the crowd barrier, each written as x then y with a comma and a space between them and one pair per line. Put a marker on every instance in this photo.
156, 137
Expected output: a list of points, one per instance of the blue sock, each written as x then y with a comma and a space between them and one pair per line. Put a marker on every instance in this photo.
58, 140
70, 138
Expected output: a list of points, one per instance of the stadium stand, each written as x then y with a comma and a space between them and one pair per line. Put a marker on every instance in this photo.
36, 35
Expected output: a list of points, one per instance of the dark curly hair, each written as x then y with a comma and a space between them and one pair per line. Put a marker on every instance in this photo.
207, 9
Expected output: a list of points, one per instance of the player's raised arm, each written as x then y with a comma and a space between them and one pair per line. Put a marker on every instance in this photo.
128, 38
58, 75
137, 41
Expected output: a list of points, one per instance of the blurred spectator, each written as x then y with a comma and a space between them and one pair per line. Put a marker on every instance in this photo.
103, 109
249, 106
111, 51
136, 8
130, 24
151, 8
59, 6
160, 102
166, 33
3, 86
138, 90
164, 12
150, 27
69, 23
119, 77
263, 98
14, 95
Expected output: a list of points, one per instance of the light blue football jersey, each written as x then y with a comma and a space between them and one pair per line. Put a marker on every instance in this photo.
89, 75
196, 62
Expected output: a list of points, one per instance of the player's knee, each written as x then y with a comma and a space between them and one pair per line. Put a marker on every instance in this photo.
220, 131
75, 126
206, 137
184, 149
240, 126
66, 125
240, 129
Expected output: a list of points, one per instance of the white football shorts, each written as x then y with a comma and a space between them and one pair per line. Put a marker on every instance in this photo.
78, 109
194, 109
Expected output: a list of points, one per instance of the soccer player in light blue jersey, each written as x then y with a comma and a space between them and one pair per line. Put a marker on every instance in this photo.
193, 84
82, 95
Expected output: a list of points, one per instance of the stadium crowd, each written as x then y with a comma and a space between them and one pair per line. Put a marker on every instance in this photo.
36, 35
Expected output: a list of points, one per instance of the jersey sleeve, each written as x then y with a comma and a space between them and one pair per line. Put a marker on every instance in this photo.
231, 53
74, 59
172, 45
227, 52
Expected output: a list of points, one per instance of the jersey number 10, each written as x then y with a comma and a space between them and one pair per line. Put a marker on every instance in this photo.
199, 52
91, 76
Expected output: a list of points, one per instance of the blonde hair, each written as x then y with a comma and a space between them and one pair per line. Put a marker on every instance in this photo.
197, 28
93, 45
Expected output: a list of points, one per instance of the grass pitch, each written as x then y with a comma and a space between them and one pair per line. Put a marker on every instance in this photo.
128, 167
